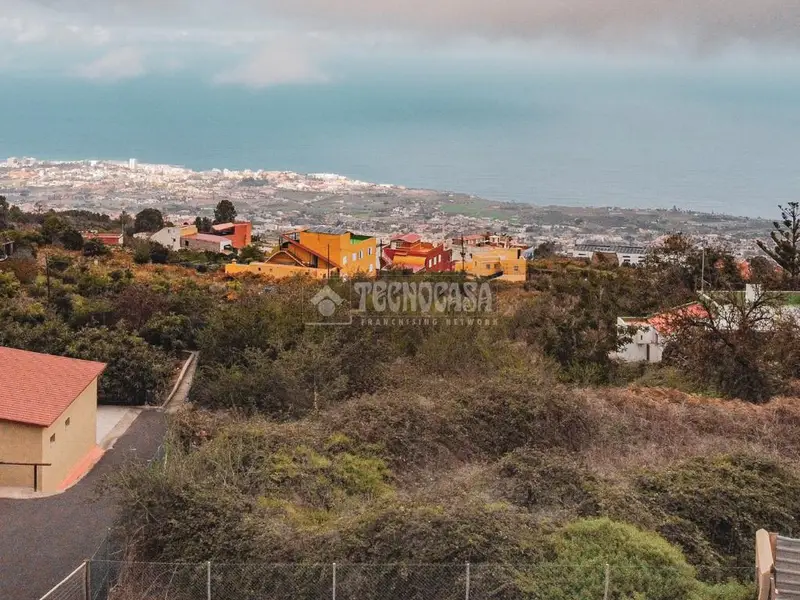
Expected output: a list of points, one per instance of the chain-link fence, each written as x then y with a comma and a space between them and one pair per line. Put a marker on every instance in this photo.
101, 579
73, 587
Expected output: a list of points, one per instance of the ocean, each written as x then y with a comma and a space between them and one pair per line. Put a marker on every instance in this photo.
700, 139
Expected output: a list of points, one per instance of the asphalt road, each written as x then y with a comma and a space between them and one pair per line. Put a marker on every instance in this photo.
43, 540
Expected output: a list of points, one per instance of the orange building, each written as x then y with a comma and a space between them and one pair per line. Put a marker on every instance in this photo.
319, 252
240, 234
506, 264
409, 253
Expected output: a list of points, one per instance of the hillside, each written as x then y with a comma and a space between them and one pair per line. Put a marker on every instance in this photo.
521, 447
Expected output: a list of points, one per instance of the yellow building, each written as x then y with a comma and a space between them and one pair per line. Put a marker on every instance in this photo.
319, 252
48, 419
505, 264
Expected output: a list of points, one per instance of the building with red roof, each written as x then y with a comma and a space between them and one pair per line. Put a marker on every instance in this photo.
409, 253
207, 242
240, 234
48, 417
109, 239
651, 333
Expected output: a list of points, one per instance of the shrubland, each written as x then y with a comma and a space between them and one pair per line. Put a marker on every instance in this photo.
520, 447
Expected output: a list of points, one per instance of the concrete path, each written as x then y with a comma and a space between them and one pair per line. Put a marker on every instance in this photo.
42, 540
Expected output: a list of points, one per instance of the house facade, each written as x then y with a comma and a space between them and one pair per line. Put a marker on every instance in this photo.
205, 242
409, 253
240, 234
317, 252
48, 418
505, 264
651, 334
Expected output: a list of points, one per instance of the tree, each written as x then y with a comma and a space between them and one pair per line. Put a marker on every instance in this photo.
136, 373
545, 250
727, 345
141, 253
52, 228
72, 239
95, 248
4, 213
203, 224
225, 212
159, 254
786, 242
251, 253
150, 219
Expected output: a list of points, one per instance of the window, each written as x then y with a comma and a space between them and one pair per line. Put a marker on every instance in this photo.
66, 423
360, 254
344, 259
53, 439
354, 256
371, 268
369, 250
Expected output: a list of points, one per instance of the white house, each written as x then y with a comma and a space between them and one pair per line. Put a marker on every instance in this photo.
169, 237
651, 333
626, 255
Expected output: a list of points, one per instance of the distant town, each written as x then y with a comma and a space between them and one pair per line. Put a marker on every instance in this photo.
276, 201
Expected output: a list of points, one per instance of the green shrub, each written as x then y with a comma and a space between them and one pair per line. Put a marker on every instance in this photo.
725, 499
172, 333
547, 481
136, 374
9, 284
641, 565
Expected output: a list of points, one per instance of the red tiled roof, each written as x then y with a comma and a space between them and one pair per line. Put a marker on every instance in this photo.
108, 238
222, 226
36, 388
408, 237
665, 322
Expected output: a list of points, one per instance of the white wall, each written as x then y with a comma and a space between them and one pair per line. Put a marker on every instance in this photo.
169, 237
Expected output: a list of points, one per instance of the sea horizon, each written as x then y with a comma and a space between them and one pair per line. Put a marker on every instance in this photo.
699, 140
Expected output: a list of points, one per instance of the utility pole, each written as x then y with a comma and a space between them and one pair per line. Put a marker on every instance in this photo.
703, 272
47, 273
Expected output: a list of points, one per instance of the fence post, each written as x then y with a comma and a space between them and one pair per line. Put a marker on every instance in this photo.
87, 579
333, 595
608, 580
466, 591
208, 580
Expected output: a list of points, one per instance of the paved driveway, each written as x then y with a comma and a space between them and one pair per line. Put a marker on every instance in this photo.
42, 540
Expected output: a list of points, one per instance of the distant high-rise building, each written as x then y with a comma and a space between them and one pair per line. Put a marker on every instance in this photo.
132, 162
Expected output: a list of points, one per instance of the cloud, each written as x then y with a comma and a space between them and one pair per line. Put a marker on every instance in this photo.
118, 64
706, 22
277, 63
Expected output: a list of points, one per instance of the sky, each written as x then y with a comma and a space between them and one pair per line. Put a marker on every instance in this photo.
263, 43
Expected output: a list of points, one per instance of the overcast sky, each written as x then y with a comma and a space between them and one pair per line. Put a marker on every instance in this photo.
270, 42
